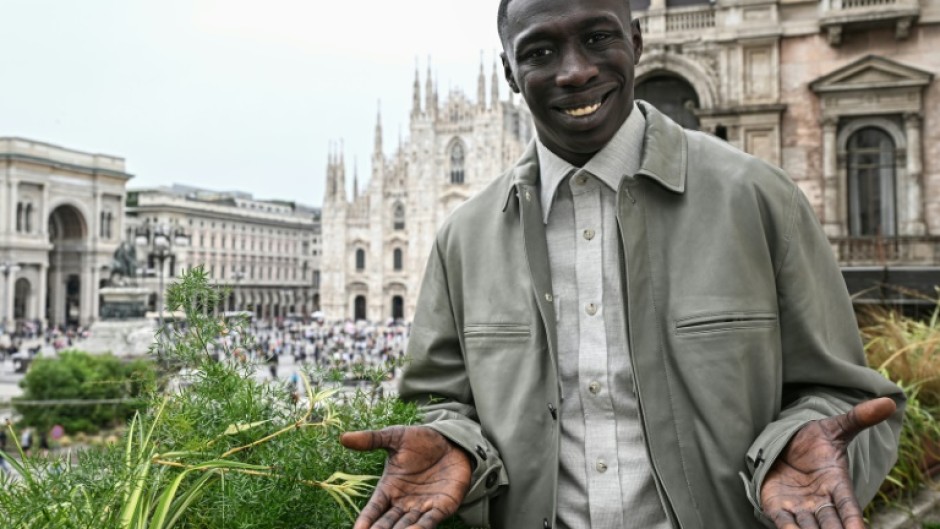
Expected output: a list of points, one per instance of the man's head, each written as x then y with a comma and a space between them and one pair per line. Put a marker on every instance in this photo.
573, 62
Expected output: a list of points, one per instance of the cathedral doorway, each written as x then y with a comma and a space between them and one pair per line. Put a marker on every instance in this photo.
360, 308
398, 308
671, 95
22, 291
68, 233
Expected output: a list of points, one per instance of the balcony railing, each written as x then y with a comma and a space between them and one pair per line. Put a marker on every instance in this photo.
874, 251
677, 21
839, 14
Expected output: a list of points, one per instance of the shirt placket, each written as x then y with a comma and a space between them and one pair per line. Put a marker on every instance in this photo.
601, 461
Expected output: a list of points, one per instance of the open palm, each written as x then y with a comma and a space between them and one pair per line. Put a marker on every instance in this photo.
809, 486
425, 479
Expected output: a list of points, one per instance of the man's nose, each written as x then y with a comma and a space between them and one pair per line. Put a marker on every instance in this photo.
576, 69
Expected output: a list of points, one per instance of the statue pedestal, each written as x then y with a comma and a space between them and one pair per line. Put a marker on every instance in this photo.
123, 329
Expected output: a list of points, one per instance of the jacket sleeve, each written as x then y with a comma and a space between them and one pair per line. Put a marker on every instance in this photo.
824, 366
436, 379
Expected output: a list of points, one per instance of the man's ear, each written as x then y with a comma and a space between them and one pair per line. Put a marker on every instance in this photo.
637, 39
507, 71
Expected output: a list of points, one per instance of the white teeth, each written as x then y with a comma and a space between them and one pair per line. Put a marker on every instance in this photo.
583, 111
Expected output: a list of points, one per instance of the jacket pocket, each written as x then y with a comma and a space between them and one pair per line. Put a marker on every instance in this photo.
725, 321
496, 330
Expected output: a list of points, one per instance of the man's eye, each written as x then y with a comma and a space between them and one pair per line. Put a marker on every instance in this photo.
598, 37
538, 53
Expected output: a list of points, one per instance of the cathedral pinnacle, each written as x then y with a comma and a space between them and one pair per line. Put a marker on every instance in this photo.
416, 98
429, 94
494, 88
481, 86
377, 150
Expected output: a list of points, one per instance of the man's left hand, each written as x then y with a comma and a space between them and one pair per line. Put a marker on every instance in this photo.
809, 486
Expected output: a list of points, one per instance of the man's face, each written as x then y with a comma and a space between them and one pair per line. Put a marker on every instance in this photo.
572, 61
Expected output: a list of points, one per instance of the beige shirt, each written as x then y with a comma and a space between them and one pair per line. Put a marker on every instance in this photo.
605, 478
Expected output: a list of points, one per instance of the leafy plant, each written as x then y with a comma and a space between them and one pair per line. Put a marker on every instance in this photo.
907, 351
219, 449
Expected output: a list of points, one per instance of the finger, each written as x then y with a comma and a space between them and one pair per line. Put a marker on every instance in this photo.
389, 519
806, 520
429, 520
828, 518
850, 512
372, 511
407, 520
783, 520
865, 415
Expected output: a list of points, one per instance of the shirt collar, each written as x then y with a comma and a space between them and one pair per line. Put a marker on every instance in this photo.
621, 156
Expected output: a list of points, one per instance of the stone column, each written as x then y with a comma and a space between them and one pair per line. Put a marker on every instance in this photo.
86, 290
43, 294
44, 216
4, 227
9, 279
95, 280
12, 196
913, 216
833, 190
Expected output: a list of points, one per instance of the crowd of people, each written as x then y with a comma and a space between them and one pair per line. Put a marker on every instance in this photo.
343, 345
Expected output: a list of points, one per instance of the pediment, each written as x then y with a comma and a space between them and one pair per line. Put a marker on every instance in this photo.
871, 73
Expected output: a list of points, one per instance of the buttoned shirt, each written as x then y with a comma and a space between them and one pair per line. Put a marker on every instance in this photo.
605, 478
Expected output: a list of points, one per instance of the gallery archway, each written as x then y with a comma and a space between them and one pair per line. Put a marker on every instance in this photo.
67, 281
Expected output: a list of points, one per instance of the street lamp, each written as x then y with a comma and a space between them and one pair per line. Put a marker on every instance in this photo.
162, 240
6, 268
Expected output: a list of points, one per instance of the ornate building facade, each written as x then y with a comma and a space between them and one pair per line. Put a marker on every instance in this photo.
842, 94
61, 219
267, 251
378, 241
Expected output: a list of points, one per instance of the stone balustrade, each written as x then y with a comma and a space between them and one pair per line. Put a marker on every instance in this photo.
863, 251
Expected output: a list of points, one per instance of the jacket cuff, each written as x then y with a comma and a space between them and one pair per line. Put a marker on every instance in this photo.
766, 449
488, 471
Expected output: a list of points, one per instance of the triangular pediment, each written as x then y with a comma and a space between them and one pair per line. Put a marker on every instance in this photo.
871, 72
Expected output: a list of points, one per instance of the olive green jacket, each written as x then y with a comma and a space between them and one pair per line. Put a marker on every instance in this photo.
739, 325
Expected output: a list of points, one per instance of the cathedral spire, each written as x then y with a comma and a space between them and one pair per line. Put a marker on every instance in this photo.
341, 173
481, 86
355, 178
330, 191
494, 88
430, 106
377, 149
416, 97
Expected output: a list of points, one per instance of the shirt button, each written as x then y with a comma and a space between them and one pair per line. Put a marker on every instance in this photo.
549, 297
589, 234
581, 180
594, 387
601, 466
591, 309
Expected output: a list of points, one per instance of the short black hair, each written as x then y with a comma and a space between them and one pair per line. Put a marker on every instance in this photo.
502, 16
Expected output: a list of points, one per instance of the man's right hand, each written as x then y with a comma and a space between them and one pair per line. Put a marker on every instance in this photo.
426, 478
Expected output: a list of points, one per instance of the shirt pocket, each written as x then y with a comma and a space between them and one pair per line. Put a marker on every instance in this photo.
718, 322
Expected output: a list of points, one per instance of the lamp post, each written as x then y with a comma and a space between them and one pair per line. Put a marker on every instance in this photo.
6, 268
162, 239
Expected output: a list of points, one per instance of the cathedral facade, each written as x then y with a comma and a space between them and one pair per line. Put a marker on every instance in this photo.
376, 243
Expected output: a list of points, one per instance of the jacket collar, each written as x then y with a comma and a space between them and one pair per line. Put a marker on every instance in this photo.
664, 160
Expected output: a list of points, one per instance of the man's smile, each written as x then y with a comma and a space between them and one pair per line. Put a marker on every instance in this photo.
583, 108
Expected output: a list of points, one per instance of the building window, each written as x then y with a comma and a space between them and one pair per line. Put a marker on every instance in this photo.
399, 217
360, 260
457, 163
19, 217
397, 259
360, 308
871, 183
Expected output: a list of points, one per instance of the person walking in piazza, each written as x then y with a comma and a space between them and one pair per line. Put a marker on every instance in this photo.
635, 326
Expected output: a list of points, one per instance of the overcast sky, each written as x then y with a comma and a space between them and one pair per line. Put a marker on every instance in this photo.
231, 94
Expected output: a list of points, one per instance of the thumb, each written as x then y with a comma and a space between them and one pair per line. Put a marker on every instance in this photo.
369, 440
865, 415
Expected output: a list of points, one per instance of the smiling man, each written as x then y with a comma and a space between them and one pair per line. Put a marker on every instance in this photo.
636, 326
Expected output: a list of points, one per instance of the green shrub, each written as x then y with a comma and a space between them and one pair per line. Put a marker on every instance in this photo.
907, 351
222, 451
76, 376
